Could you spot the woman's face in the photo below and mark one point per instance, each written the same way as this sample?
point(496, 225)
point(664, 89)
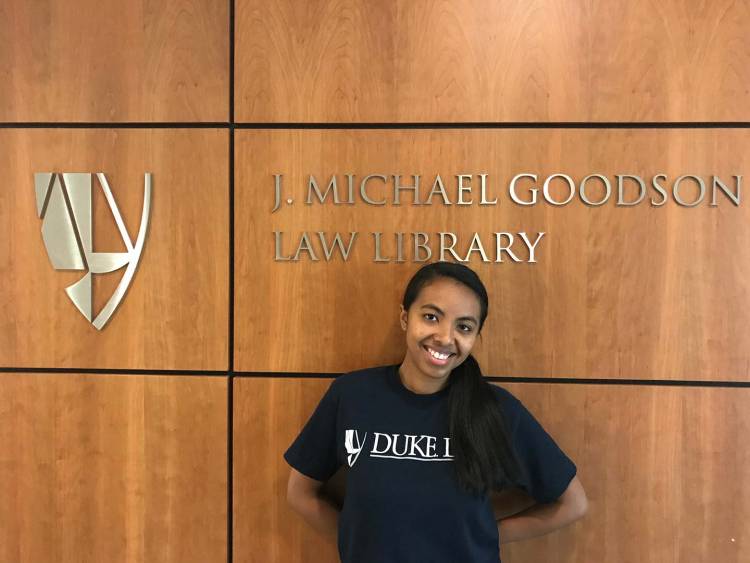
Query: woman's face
point(441, 327)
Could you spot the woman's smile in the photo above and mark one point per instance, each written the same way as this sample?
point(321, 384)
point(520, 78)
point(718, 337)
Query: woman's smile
point(436, 357)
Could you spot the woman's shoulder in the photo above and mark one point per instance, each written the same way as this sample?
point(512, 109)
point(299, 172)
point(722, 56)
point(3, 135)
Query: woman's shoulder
point(503, 395)
point(520, 417)
point(511, 405)
point(362, 378)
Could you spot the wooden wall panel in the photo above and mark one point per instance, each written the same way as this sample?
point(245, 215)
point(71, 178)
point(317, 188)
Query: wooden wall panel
point(266, 414)
point(547, 60)
point(664, 468)
point(111, 61)
point(112, 468)
point(174, 316)
point(620, 292)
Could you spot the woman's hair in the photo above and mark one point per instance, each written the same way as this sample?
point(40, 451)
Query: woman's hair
point(480, 436)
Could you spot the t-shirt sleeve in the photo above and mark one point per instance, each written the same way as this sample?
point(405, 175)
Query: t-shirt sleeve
point(313, 452)
point(545, 469)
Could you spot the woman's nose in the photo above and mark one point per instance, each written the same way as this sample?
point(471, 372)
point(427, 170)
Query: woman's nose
point(444, 334)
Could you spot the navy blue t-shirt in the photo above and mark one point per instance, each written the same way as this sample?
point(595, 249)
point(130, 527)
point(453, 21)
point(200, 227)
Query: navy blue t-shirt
point(403, 503)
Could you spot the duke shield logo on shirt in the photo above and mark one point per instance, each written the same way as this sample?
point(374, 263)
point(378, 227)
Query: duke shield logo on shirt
point(63, 202)
point(353, 446)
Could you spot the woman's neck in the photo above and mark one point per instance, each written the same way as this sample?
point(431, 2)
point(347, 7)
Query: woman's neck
point(417, 382)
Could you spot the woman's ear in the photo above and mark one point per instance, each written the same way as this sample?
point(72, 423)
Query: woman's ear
point(403, 315)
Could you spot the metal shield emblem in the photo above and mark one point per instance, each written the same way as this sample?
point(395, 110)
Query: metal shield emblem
point(63, 202)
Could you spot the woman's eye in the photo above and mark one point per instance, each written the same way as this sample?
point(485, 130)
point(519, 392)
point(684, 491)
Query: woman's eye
point(465, 328)
point(430, 317)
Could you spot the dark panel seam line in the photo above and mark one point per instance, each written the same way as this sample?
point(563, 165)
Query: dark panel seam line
point(503, 125)
point(117, 125)
point(230, 328)
point(230, 466)
point(370, 126)
point(230, 367)
point(508, 379)
point(231, 59)
point(293, 374)
point(116, 371)
point(608, 381)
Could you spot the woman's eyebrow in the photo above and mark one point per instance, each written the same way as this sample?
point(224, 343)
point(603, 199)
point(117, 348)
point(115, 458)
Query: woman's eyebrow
point(435, 307)
point(440, 311)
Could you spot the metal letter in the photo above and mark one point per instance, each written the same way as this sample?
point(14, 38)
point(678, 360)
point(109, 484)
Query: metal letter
point(378, 257)
point(701, 190)
point(735, 197)
point(483, 191)
point(312, 186)
point(530, 246)
point(621, 189)
point(462, 189)
point(305, 246)
point(400, 247)
point(337, 243)
point(571, 187)
point(279, 257)
point(438, 188)
point(277, 191)
point(397, 187)
point(659, 189)
point(607, 189)
point(512, 189)
point(476, 246)
point(363, 189)
point(422, 245)
point(350, 183)
point(444, 248)
point(500, 247)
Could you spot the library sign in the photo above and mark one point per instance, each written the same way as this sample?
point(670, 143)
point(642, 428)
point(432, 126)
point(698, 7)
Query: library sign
point(524, 189)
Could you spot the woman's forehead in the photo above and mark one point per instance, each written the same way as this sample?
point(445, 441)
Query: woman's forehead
point(450, 296)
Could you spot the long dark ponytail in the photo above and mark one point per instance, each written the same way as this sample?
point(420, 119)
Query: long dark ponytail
point(480, 436)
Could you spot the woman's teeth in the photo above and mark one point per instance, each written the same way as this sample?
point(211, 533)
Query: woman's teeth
point(437, 355)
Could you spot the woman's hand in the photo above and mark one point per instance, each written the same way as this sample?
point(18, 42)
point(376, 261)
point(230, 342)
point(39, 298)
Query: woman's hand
point(541, 519)
point(305, 496)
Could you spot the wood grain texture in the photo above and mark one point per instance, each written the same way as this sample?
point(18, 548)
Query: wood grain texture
point(174, 315)
point(266, 413)
point(664, 469)
point(616, 292)
point(112, 468)
point(110, 61)
point(490, 61)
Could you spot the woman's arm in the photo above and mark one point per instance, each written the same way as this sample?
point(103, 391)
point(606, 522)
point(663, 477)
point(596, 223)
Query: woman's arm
point(304, 495)
point(541, 519)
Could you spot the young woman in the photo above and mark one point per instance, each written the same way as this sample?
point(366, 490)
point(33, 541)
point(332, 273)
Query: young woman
point(426, 441)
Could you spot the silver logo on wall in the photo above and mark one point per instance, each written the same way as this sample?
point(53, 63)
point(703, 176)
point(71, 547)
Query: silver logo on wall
point(63, 202)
